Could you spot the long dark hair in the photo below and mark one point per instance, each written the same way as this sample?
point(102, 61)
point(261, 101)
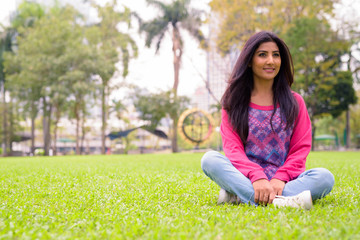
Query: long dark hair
point(236, 98)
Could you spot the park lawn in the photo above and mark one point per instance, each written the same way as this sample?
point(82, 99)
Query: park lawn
point(160, 197)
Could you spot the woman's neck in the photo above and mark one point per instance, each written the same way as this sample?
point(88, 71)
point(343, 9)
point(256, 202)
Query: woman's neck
point(262, 95)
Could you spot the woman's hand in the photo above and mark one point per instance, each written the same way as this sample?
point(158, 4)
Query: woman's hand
point(277, 185)
point(264, 192)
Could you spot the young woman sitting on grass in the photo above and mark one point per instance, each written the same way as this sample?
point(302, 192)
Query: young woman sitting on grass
point(266, 133)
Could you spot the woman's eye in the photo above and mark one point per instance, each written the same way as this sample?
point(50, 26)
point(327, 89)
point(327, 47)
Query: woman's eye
point(262, 55)
point(276, 55)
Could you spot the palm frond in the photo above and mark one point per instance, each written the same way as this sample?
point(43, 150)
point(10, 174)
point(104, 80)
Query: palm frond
point(192, 24)
point(138, 18)
point(159, 41)
point(179, 15)
point(126, 44)
point(153, 29)
point(158, 4)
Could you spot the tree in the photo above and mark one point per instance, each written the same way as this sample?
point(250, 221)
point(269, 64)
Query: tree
point(347, 24)
point(317, 52)
point(154, 107)
point(239, 19)
point(6, 37)
point(80, 61)
point(40, 65)
point(175, 17)
point(110, 44)
point(26, 15)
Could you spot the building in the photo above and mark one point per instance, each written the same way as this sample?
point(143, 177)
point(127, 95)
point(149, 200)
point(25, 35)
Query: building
point(218, 71)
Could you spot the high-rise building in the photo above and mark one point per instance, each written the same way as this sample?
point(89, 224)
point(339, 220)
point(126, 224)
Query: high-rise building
point(218, 71)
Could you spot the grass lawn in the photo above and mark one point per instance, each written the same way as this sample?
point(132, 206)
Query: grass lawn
point(160, 197)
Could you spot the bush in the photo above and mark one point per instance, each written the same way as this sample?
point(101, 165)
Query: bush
point(39, 152)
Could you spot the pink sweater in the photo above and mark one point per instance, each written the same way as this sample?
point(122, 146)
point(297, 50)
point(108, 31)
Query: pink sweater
point(268, 154)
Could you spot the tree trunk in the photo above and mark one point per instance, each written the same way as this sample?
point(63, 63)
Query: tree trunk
point(177, 52)
point(4, 140)
point(55, 139)
point(83, 132)
point(33, 116)
point(103, 118)
point(77, 117)
point(313, 137)
point(348, 139)
point(47, 136)
point(174, 145)
point(57, 116)
point(127, 144)
point(11, 127)
point(46, 127)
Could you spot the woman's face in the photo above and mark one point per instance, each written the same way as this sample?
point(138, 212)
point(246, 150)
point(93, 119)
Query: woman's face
point(266, 62)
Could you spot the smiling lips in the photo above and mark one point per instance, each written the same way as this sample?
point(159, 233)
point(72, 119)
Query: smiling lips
point(269, 69)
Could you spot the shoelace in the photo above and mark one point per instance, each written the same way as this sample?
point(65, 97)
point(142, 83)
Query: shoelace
point(290, 200)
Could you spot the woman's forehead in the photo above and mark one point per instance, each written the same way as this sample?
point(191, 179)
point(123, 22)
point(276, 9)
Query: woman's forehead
point(268, 47)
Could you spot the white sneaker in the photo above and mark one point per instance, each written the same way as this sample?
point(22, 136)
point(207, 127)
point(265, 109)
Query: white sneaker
point(302, 200)
point(226, 197)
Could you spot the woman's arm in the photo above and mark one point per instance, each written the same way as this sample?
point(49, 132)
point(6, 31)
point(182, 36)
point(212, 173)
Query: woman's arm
point(235, 152)
point(300, 145)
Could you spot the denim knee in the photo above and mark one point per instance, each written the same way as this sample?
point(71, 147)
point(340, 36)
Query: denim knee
point(326, 177)
point(209, 161)
point(326, 181)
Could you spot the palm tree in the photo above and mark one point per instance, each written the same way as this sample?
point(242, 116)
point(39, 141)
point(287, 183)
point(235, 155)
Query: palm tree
point(174, 17)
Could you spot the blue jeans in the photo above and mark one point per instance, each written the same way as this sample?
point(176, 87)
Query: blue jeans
point(218, 168)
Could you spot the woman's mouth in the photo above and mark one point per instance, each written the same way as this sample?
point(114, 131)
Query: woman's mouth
point(269, 70)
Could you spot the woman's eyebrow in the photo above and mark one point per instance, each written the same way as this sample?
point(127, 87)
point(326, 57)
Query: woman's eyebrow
point(266, 51)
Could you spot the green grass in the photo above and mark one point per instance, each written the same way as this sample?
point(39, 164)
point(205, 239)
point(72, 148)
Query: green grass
point(160, 197)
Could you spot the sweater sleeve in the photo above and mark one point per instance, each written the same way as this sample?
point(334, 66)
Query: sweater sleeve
point(300, 145)
point(235, 152)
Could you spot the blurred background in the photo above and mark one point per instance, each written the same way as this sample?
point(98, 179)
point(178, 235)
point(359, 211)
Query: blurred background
point(142, 76)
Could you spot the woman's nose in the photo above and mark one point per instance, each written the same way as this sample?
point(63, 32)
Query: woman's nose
point(270, 59)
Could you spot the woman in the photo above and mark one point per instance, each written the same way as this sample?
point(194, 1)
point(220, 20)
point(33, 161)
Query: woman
point(266, 133)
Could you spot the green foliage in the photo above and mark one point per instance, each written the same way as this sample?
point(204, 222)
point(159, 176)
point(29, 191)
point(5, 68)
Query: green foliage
point(317, 51)
point(27, 14)
point(239, 19)
point(109, 40)
point(40, 69)
point(39, 152)
point(163, 196)
point(110, 45)
point(179, 15)
point(339, 97)
point(355, 121)
point(6, 39)
point(153, 107)
point(58, 58)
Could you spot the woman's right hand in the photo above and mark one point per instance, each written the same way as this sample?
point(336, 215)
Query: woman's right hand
point(264, 193)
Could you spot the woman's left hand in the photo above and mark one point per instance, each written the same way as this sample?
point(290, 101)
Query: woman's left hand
point(278, 186)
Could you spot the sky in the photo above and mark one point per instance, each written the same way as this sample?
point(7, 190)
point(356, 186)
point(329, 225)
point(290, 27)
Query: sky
point(152, 71)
